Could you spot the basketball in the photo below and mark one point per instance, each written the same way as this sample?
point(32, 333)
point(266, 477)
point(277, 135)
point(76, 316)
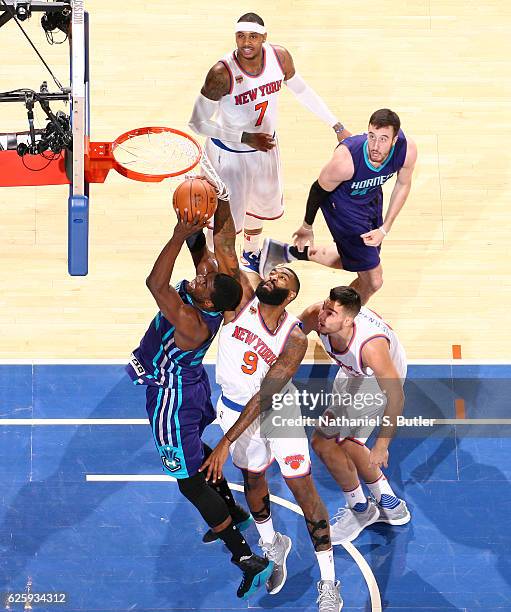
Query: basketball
point(197, 195)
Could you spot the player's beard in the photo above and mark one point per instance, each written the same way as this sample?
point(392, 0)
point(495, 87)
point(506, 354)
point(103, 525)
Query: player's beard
point(272, 297)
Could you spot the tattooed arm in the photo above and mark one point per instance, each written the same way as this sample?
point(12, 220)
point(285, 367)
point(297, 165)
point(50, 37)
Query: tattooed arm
point(224, 240)
point(275, 380)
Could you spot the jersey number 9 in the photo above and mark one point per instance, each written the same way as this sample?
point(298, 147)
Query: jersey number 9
point(250, 362)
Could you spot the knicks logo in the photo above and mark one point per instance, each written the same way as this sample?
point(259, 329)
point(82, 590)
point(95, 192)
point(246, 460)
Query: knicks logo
point(294, 461)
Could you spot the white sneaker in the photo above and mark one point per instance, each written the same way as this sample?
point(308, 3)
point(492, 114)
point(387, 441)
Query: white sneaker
point(273, 253)
point(400, 515)
point(277, 552)
point(348, 523)
point(329, 598)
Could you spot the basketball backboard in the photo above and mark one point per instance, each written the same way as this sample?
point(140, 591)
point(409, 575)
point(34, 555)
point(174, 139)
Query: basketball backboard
point(56, 152)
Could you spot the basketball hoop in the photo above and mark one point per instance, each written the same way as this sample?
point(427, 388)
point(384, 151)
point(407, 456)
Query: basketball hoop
point(151, 154)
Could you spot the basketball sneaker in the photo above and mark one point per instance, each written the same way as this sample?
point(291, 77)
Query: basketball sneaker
point(277, 552)
point(256, 572)
point(250, 261)
point(329, 598)
point(400, 515)
point(348, 523)
point(240, 517)
point(273, 253)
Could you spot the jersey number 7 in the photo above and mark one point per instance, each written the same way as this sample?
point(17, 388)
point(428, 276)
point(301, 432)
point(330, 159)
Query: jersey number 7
point(262, 106)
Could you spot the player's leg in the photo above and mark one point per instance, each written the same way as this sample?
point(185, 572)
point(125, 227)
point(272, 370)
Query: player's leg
point(393, 510)
point(293, 457)
point(360, 512)
point(230, 169)
point(265, 200)
point(177, 437)
point(252, 231)
point(275, 546)
point(316, 520)
point(240, 517)
point(368, 282)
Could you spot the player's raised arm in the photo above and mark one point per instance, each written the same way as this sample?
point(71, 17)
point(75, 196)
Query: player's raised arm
point(306, 95)
point(376, 355)
point(224, 240)
point(340, 168)
point(184, 317)
point(309, 318)
point(275, 380)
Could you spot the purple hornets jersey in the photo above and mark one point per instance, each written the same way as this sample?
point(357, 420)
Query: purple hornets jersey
point(159, 362)
point(356, 203)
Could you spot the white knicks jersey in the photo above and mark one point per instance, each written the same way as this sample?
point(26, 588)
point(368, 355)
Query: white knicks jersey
point(252, 102)
point(367, 325)
point(246, 351)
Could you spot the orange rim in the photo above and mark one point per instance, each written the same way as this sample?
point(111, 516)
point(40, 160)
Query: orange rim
point(145, 177)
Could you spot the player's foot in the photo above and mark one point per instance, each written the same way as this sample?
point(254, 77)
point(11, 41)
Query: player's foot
point(273, 253)
point(240, 517)
point(277, 552)
point(329, 598)
point(250, 261)
point(256, 572)
point(348, 523)
point(400, 515)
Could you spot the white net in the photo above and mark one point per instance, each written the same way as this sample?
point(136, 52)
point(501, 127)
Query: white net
point(156, 152)
point(206, 169)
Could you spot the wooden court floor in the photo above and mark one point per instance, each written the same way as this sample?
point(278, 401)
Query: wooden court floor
point(442, 65)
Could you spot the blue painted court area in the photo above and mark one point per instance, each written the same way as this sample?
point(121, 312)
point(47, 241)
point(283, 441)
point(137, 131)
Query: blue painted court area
point(137, 545)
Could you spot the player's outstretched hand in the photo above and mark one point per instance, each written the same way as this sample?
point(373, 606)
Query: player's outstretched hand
point(378, 457)
point(302, 237)
point(215, 462)
point(185, 228)
point(373, 238)
point(259, 141)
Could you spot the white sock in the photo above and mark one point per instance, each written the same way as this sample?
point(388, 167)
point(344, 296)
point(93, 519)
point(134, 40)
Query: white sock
point(266, 530)
point(356, 499)
point(326, 564)
point(383, 492)
point(251, 242)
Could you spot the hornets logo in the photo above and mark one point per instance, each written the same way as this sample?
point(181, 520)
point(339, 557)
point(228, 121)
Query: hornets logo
point(169, 458)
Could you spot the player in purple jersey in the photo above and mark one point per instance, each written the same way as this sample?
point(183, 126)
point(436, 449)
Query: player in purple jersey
point(349, 193)
point(178, 396)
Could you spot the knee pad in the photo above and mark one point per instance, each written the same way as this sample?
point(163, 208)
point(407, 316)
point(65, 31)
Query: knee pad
point(208, 502)
point(263, 513)
point(313, 526)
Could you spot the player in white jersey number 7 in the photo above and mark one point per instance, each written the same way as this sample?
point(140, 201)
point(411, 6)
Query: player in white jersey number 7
point(260, 349)
point(237, 110)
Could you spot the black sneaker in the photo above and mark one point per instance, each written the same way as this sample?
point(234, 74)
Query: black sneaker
point(256, 572)
point(240, 517)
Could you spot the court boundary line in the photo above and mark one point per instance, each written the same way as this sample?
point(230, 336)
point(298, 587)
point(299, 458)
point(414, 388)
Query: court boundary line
point(124, 361)
point(364, 567)
point(106, 421)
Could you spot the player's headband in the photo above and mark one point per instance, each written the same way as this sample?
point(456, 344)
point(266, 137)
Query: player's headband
point(248, 26)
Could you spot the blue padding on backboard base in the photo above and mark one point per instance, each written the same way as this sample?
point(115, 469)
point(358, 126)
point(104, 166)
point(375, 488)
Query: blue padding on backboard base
point(78, 235)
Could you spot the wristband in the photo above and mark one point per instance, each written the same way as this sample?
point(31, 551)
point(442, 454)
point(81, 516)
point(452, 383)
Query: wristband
point(382, 230)
point(228, 439)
